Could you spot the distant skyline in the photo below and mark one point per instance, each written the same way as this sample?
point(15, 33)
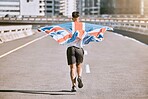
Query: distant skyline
point(50, 8)
point(10, 0)
point(71, 7)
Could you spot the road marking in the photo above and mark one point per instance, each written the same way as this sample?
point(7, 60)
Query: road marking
point(134, 40)
point(85, 52)
point(87, 68)
point(1, 56)
point(130, 38)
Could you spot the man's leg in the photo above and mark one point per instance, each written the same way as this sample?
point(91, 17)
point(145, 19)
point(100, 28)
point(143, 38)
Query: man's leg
point(79, 69)
point(73, 76)
point(79, 72)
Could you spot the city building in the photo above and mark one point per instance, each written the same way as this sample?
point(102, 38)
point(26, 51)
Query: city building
point(124, 7)
point(145, 8)
point(70, 6)
point(20, 8)
point(79, 6)
point(88, 7)
point(9, 7)
point(54, 7)
point(62, 7)
point(46, 8)
point(31, 8)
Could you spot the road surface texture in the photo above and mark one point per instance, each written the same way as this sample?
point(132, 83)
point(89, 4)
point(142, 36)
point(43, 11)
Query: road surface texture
point(138, 36)
point(118, 70)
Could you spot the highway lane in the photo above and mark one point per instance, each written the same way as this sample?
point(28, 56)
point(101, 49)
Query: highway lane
point(138, 36)
point(39, 71)
point(8, 46)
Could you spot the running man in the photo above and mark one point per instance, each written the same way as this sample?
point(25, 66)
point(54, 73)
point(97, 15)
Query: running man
point(75, 34)
point(75, 54)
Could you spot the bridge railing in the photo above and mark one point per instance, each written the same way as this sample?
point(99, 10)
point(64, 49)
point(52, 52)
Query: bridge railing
point(130, 24)
point(9, 33)
point(136, 20)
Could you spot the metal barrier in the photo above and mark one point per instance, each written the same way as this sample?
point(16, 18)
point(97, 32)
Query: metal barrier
point(130, 24)
point(138, 26)
point(8, 33)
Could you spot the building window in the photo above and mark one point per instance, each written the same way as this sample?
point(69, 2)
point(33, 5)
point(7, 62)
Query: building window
point(49, 6)
point(49, 1)
point(49, 11)
point(29, 0)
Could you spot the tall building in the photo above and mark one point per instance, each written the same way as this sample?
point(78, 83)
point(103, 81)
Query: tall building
point(32, 7)
point(124, 7)
point(20, 8)
point(145, 7)
point(62, 7)
point(70, 6)
point(88, 7)
point(107, 6)
point(127, 7)
point(11, 7)
point(49, 8)
point(54, 7)
point(91, 7)
point(79, 6)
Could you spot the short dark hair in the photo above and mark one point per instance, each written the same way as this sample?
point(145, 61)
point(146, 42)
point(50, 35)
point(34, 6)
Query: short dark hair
point(75, 14)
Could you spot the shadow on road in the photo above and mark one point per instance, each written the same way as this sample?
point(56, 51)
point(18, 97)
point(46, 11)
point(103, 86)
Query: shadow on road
point(61, 92)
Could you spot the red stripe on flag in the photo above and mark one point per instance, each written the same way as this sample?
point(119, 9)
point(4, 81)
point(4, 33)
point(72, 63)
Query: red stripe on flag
point(48, 31)
point(64, 38)
point(54, 30)
point(97, 33)
point(103, 30)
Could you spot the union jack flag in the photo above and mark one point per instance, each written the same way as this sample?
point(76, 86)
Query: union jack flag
point(68, 32)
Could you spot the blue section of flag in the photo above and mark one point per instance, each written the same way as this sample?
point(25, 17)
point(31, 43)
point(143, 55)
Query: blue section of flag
point(66, 30)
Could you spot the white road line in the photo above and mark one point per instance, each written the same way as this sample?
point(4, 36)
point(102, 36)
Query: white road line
point(1, 56)
point(130, 38)
point(85, 52)
point(87, 68)
point(134, 40)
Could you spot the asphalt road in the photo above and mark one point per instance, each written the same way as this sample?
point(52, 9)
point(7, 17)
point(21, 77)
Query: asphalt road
point(138, 36)
point(118, 70)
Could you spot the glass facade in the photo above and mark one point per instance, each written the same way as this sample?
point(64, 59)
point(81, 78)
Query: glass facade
point(89, 7)
point(123, 6)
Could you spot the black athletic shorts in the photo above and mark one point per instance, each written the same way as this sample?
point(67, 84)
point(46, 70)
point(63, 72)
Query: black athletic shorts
point(74, 55)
